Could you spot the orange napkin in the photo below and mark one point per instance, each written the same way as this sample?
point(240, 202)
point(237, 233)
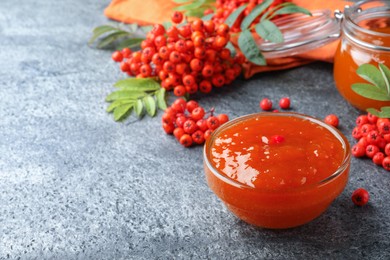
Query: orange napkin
point(147, 12)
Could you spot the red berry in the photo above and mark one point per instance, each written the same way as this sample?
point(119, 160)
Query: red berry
point(387, 149)
point(266, 104)
point(358, 150)
point(371, 118)
point(189, 126)
point(179, 91)
point(179, 105)
point(205, 86)
point(167, 118)
point(208, 133)
point(186, 140)
point(383, 127)
point(360, 197)
point(191, 105)
point(378, 158)
point(371, 150)
point(363, 142)
point(180, 120)
point(125, 67)
point(332, 120)
point(386, 163)
point(372, 137)
point(177, 17)
point(213, 122)
point(361, 120)
point(366, 128)
point(356, 133)
point(126, 52)
point(117, 56)
point(284, 103)
point(223, 118)
point(168, 128)
point(202, 124)
point(178, 133)
point(197, 113)
point(188, 80)
point(198, 137)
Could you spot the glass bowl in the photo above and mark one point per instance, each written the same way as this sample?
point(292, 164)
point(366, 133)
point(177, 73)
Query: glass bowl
point(272, 194)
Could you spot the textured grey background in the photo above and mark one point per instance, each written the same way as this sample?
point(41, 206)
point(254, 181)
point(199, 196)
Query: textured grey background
point(76, 185)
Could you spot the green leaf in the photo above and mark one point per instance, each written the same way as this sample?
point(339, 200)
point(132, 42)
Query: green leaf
point(130, 43)
point(111, 38)
point(207, 17)
point(125, 94)
point(233, 16)
point(249, 48)
point(269, 31)
point(372, 74)
point(230, 46)
point(370, 91)
point(139, 108)
point(384, 113)
point(290, 9)
point(122, 111)
point(386, 76)
point(195, 12)
point(255, 13)
point(100, 30)
point(194, 5)
point(150, 105)
point(160, 96)
point(118, 103)
point(137, 84)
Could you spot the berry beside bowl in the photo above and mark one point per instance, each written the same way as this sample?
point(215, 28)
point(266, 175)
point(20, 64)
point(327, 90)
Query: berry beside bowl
point(277, 170)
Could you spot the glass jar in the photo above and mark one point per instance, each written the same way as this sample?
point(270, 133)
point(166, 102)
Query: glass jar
point(365, 39)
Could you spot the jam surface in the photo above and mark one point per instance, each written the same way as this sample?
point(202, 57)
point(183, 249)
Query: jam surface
point(277, 152)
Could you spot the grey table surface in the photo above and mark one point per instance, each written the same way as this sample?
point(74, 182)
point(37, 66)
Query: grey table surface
point(74, 184)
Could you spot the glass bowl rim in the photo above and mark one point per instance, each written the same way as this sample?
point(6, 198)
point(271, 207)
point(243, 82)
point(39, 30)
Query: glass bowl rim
point(342, 167)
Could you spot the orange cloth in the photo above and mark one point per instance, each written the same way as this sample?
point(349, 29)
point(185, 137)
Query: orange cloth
point(146, 12)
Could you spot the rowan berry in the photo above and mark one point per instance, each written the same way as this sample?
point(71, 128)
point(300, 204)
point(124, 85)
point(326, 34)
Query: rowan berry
point(361, 120)
point(175, 57)
point(198, 137)
point(169, 66)
point(372, 118)
point(225, 54)
point(199, 41)
point(177, 17)
point(179, 90)
point(160, 41)
point(383, 126)
point(117, 56)
point(371, 150)
point(356, 133)
point(378, 158)
point(202, 124)
point(207, 71)
point(386, 163)
point(223, 118)
point(207, 134)
point(218, 80)
point(222, 29)
point(366, 128)
point(372, 137)
point(126, 52)
point(210, 55)
point(124, 66)
point(190, 126)
point(332, 120)
point(168, 128)
point(363, 142)
point(199, 52)
point(180, 120)
point(178, 132)
point(191, 105)
point(213, 122)
point(158, 29)
point(196, 64)
point(220, 42)
point(173, 33)
point(266, 104)
point(188, 80)
point(197, 25)
point(186, 140)
point(284, 103)
point(156, 59)
point(358, 150)
point(167, 118)
point(192, 89)
point(145, 70)
point(209, 26)
point(360, 197)
point(205, 86)
point(198, 113)
point(185, 30)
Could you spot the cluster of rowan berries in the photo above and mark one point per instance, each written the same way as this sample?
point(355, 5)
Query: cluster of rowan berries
point(225, 7)
point(373, 135)
point(187, 122)
point(187, 58)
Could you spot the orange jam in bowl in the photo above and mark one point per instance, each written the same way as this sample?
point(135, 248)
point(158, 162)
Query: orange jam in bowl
point(365, 39)
point(277, 170)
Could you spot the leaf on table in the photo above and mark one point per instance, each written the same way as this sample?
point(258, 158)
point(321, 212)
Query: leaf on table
point(384, 113)
point(138, 84)
point(269, 31)
point(118, 103)
point(125, 94)
point(99, 31)
point(122, 111)
point(105, 41)
point(139, 108)
point(150, 105)
point(255, 13)
point(161, 99)
point(130, 43)
point(370, 91)
point(373, 75)
point(232, 18)
point(249, 48)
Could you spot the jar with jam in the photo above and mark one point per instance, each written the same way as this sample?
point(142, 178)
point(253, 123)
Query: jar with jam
point(365, 39)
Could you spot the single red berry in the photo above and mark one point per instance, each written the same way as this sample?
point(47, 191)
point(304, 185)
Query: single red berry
point(202, 124)
point(363, 142)
point(222, 29)
point(188, 80)
point(372, 137)
point(117, 56)
point(186, 140)
point(190, 126)
point(360, 197)
point(167, 118)
point(145, 70)
point(177, 17)
point(358, 150)
point(356, 133)
point(277, 139)
point(179, 91)
point(386, 163)
point(192, 89)
point(284, 103)
point(125, 67)
point(266, 104)
point(366, 128)
point(158, 29)
point(180, 120)
point(208, 133)
point(126, 52)
point(383, 127)
point(371, 118)
point(205, 86)
point(371, 150)
point(387, 149)
point(218, 80)
point(332, 120)
point(196, 65)
point(168, 128)
point(387, 138)
point(213, 122)
point(223, 118)
point(361, 120)
point(174, 57)
point(197, 113)
point(178, 133)
point(381, 143)
point(185, 31)
point(191, 105)
point(197, 25)
point(378, 158)
point(198, 137)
